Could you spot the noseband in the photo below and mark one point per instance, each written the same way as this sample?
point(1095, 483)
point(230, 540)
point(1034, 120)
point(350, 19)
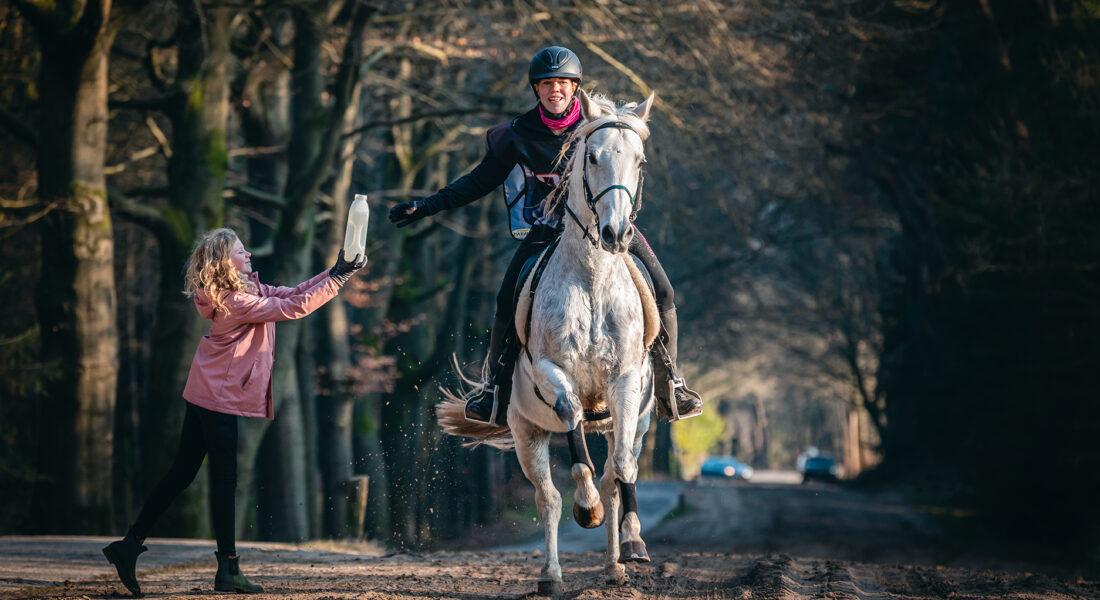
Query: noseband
point(591, 201)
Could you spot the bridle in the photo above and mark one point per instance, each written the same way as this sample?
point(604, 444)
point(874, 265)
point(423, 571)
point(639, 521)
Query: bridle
point(590, 200)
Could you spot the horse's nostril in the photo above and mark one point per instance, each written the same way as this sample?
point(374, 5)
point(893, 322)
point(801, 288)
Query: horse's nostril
point(628, 235)
point(608, 235)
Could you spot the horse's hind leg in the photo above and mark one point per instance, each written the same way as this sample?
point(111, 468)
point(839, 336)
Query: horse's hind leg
point(532, 449)
point(587, 510)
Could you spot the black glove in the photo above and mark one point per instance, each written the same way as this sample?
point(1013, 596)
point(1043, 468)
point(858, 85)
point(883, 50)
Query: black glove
point(343, 270)
point(407, 213)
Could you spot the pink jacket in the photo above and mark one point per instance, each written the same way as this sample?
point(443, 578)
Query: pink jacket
point(231, 371)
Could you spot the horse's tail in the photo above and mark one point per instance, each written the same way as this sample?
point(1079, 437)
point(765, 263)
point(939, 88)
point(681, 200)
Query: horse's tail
point(451, 414)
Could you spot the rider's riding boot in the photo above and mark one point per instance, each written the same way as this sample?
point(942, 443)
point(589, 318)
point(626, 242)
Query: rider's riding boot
point(123, 554)
point(491, 404)
point(229, 577)
point(675, 400)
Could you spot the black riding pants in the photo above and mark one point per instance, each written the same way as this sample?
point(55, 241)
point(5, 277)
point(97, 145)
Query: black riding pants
point(538, 238)
point(205, 433)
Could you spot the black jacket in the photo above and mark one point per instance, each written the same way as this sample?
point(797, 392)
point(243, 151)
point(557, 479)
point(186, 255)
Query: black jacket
point(523, 148)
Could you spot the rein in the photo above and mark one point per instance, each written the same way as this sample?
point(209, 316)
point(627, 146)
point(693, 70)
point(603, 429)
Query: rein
point(591, 201)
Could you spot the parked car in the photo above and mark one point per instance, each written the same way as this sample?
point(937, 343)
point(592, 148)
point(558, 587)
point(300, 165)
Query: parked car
point(821, 468)
point(726, 467)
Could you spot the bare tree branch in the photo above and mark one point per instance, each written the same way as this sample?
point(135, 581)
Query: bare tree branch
point(434, 114)
point(149, 216)
point(251, 195)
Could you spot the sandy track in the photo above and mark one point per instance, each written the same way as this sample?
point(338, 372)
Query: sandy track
point(495, 575)
point(766, 542)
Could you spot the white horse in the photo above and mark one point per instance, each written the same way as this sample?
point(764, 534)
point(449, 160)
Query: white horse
point(586, 341)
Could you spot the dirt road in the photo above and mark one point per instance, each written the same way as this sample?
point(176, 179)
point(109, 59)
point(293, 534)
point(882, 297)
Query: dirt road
point(757, 541)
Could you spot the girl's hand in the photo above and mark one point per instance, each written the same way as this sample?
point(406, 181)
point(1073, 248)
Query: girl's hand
point(343, 270)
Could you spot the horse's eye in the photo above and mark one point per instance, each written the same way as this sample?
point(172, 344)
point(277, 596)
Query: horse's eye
point(592, 158)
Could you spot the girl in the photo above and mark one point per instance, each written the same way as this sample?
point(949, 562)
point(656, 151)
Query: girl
point(230, 377)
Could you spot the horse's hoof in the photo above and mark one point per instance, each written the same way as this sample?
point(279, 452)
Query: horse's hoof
point(616, 574)
point(549, 588)
point(633, 552)
point(589, 518)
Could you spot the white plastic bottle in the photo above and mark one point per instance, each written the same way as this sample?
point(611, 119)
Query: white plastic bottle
point(355, 239)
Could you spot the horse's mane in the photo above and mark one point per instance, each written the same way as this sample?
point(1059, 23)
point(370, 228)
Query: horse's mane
point(611, 112)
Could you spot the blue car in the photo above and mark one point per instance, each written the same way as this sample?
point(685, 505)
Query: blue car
point(821, 468)
point(726, 467)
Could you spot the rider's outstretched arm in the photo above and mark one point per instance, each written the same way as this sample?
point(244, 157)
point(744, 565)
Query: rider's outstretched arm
point(489, 174)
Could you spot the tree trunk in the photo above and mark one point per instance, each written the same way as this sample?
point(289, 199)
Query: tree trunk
point(760, 433)
point(283, 486)
point(335, 402)
point(307, 384)
point(76, 296)
point(853, 451)
point(198, 111)
point(314, 137)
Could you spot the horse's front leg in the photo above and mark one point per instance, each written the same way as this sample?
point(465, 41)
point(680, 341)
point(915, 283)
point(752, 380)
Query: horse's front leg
point(532, 449)
point(587, 510)
point(625, 405)
point(609, 493)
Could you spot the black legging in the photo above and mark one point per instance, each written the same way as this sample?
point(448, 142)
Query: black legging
point(205, 432)
point(536, 240)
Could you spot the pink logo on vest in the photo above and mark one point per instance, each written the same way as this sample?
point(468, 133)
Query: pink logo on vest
point(550, 179)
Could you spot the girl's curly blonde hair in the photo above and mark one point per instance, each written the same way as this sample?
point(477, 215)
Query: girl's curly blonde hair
point(210, 269)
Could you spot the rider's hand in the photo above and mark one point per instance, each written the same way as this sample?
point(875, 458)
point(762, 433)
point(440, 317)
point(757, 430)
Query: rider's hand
point(343, 269)
point(407, 213)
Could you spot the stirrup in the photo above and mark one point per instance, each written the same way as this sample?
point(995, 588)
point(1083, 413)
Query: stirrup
point(678, 383)
point(492, 414)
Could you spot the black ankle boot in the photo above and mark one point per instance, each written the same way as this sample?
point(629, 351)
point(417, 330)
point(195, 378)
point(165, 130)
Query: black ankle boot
point(229, 577)
point(123, 554)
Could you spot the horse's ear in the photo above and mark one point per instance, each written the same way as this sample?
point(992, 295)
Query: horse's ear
point(589, 109)
point(642, 110)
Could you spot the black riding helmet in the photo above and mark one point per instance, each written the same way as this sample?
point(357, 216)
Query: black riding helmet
point(554, 61)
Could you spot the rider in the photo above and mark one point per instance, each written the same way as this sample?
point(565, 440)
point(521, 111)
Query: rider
point(523, 157)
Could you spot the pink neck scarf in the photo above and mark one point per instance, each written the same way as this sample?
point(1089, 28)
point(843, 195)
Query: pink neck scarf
point(572, 115)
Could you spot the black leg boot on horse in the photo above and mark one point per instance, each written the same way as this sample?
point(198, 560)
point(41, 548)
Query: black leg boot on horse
point(675, 400)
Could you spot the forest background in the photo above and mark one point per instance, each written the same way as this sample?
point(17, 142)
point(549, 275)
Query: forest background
point(881, 218)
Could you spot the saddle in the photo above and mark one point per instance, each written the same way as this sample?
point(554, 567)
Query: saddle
point(531, 274)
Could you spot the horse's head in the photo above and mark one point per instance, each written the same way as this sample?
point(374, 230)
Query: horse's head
point(606, 171)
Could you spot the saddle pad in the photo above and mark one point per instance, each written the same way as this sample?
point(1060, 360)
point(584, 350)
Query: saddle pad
point(649, 302)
